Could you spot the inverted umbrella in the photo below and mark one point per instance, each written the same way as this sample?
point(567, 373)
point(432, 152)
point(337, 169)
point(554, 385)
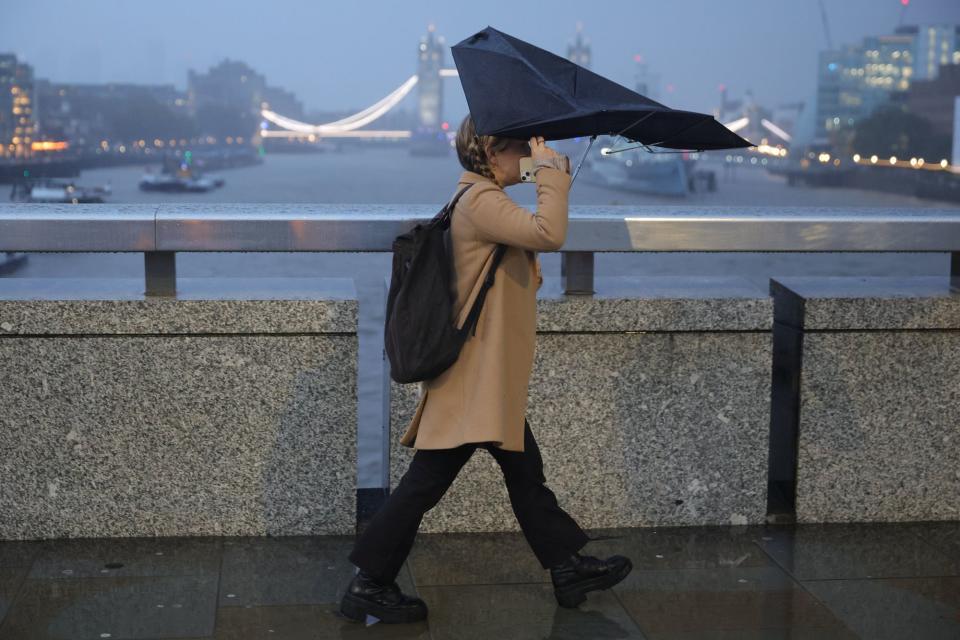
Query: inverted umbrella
point(517, 90)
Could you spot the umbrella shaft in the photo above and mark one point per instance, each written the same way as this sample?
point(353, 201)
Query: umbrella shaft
point(592, 138)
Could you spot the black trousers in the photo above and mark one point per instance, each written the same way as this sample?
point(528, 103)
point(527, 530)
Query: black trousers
point(382, 547)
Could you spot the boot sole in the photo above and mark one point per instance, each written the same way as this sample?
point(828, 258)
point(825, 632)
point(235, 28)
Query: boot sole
point(570, 596)
point(357, 609)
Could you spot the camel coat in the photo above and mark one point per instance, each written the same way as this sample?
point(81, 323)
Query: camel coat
point(482, 397)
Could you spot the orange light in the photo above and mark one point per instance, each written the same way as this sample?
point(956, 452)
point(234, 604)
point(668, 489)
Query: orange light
point(48, 145)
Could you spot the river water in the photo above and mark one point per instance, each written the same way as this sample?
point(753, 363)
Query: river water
point(383, 175)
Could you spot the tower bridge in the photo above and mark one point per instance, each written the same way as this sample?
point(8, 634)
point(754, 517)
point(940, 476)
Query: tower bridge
point(428, 81)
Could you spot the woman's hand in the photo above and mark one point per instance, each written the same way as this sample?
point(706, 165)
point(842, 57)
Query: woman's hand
point(540, 151)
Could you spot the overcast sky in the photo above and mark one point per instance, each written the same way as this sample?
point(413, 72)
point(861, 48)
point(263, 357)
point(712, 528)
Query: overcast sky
point(346, 55)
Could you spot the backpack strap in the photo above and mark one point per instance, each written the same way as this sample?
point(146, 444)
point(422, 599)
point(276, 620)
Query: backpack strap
point(453, 202)
point(474, 315)
point(443, 216)
point(470, 324)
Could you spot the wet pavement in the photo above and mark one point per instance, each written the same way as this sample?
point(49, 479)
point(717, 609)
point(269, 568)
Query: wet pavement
point(823, 581)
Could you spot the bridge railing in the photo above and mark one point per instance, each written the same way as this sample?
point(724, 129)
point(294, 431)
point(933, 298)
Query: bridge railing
point(162, 231)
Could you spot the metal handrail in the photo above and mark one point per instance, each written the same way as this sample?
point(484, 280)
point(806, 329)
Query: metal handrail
point(160, 231)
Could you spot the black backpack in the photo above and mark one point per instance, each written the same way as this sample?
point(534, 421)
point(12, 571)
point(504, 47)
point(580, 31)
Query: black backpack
point(420, 337)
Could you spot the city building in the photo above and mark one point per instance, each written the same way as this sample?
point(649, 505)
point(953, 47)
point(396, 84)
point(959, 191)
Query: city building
point(855, 79)
point(85, 114)
point(18, 125)
point(229, 83)
point(234, 84)
point(934, 99)
point(283, 101)
point(935, 45)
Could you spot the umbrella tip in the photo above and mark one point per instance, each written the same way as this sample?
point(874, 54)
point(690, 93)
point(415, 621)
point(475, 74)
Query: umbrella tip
point(479, 35)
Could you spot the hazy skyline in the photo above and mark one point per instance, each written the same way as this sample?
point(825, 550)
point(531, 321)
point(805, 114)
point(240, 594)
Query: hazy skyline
point(347, 56)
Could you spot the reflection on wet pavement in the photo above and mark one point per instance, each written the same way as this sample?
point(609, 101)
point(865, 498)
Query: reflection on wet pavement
point(875, 581)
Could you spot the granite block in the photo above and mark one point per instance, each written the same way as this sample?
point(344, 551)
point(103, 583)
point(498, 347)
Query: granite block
point(109, 306)
point(682, 303)
point(878, 437)
point(876, 302)
point(636, 427)
point(132, 428)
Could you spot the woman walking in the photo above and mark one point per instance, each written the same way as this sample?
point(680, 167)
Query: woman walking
point(481, 400)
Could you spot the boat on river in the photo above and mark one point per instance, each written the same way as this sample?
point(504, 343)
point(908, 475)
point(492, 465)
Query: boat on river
point(57, 190)
point(183, 180)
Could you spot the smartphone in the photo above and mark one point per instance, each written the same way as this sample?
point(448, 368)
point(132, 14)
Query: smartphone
point(526, 169)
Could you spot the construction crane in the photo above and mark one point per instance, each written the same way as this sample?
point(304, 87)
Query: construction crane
point(826, 25)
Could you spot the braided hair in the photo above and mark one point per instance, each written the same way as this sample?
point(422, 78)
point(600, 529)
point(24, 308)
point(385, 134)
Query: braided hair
point(471, 148)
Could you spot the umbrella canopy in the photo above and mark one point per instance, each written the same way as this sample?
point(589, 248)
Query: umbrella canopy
point(517, 90)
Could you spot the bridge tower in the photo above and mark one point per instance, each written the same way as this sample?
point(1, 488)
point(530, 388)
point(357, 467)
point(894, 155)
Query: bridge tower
point(430, 84)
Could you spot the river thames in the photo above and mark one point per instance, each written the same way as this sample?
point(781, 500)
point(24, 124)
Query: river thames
point(384, 175)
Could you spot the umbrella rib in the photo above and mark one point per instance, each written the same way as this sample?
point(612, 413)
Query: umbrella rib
point(641, 119)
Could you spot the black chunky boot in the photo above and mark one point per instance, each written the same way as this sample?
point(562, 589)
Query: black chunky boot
point(385, 601)
point(579, 574)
